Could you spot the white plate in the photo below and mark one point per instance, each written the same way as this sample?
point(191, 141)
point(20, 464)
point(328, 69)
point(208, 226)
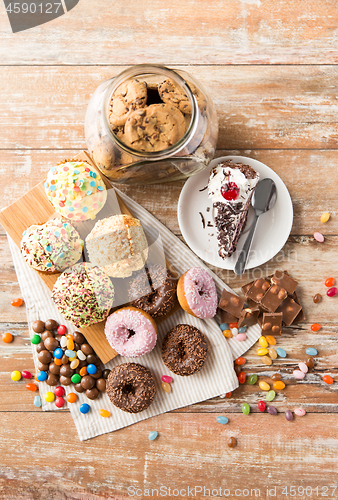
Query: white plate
point(272, 230)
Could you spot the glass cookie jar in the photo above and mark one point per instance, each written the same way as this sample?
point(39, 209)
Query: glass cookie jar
point(151, 124)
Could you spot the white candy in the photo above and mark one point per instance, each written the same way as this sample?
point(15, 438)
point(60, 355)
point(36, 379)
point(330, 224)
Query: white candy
point(63, 341)
point(81, 355)
point(234, 331)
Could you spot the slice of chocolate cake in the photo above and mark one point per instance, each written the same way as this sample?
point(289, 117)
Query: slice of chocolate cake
point(230, 188)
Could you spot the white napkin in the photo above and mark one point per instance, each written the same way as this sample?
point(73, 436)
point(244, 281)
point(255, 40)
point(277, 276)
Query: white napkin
point(216, 378)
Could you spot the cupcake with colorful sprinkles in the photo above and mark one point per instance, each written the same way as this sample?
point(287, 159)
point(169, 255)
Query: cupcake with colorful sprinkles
point(75, 190)
point(51, 247)
point(83, 294)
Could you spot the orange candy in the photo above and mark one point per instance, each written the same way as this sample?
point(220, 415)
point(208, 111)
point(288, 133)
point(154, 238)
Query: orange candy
point(7, 338)
point(83, 371)
point(330, 282)
point(271, 340)
point(17, 302)
point(58, 362)
point(228, 395)
point(279, 385)
point(104, 413)
point(327, 379)
point(240, 361)
point(71, 397)
point(233, 325)
point(316, 327)
point(31, 387)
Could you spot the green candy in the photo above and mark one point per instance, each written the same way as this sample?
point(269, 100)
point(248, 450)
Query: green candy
point(36, 339)
point(76, 378)
point(252, 379)
point(246, 409)
point(270, 396)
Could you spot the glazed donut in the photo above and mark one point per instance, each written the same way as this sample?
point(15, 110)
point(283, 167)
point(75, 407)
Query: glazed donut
point(131, 387)
point(184, 350)
point(161, 299)
point(131, 332)
point(197, 294)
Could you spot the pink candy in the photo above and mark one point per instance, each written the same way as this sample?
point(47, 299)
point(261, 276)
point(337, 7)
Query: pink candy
point(167, 379)
point(300, 412)
point(304, 368)
point(319, 237)
point(240, 337)
point(298, 374)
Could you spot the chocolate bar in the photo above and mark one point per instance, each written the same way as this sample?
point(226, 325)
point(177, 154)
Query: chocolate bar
point(274, 297)
point(248, 317)
point(259, 288)
point(301, 314)
point(272, 323)
point(231, 303)
point(227, 318)
point(290, 310)
point(284, 280)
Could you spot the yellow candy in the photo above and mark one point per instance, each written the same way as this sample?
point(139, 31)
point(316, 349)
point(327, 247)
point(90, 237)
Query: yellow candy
point(104, 413)
point(74, 364)
point(227, 334)
point(262, 352)
point(271, 340)
point(49, 397)
point(263, 341)
point(325, 217)
point(266, 360)
point(72, 359)
point(264, 386)
point(16, 375)
point(279, 385)
point(272, 353)
point(166, 387)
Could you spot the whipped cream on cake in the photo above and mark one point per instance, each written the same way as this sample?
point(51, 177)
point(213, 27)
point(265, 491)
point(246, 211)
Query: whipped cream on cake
point(230, 189)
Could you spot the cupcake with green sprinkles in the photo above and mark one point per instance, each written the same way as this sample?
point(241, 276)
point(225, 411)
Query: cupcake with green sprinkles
point(51, 247)
point(75, 190)
point(84, 295)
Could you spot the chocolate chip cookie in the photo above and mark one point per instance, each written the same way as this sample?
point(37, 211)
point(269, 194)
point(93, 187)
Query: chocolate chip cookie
point(170, 93)
point(154, 128)
point(127, 97)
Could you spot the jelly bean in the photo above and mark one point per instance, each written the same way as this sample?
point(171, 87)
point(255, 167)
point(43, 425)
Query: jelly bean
point(316, 327)
point(270, 396)
point(298, 374)
point(273, 353)
point(327, 379)
point(279, 385)
point(16, 375)
point(74, 364)
point(26, 374)
point(234, 331)
point(233, 325)
point(281, 353)
point(70, 354)
point(263, 341)
point(264, 385)
point(272, 410)
point(228, 334)
point(84, 408)
point(317, 298)
point(288, 415)
point(242, 329)
point(271, 340)
point(31, 387)
point(252, 379)
point(17, 302)
point(58, 353)
point(49, 397)
point(232, 442)
point(332, 291)
point(324, 217)
point(222, 420)
point(276, 376)
point(228, 395)
point(311, 351)
point(76, 378)
point(167, 379)
point(240, 361)
point(63, 341)
point(261, 406)
point(41, 376)
point(240, 337)
point(58, 362)
point(152, 435)
point(81, 355)
point(91, 369)
point(37, 401)
point(83, 371)
point(59, 391)
point(242, 377)
point(303, 367)
point(61, 329)
point(262, 352)
point(245, 408)
point(59, 402)
point(329, 282)
point(166, 387)
point(224, 326)
point(36, 339)
point(300, 412)
point(70, 344)
point(104, 413)
point(71, 397)
point(266, 360)
point(318, 237)
point(7, 338)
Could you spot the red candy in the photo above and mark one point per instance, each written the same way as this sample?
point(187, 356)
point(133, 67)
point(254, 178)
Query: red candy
point(233, 325)
point(242, 377)
point(330, 282)
point(332, 291)
point(26, 374)
point(228, 395)
point(240, 361)
point(59, 391)
point(261, 406)
point(167, 379)
point(59, 402)
point(62, 329)
point(230, 191)
point(316, 327)
point(327, 379)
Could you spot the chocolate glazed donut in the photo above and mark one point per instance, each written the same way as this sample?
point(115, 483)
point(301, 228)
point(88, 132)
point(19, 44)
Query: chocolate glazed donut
point(162, 297)
point(131, 387)
point(184, 350)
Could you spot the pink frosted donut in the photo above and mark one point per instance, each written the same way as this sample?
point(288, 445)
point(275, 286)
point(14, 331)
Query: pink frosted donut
point(131, 332)
point(197, 294)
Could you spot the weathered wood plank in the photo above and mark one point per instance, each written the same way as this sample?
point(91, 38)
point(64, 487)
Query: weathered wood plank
point(246, 32)
point(259, 106)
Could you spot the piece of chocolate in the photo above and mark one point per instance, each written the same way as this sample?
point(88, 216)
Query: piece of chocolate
point(274, 297)
point(227, 318)
point(51, 324)
point(272, 323)
point(38, 326)
point(301, 315)
point(249, 316)
point(258, 289)
point(290, 310)
point(284, 280)
point(246, 288)
point(231, 303)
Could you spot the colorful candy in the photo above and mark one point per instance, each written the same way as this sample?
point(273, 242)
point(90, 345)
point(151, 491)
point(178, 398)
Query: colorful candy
point(273, 353)
point(262, 352)
point(272, 410)
point(278, 385)
point(327, 379)
point(271, 340)
point(222, 420)
point(324, 217)
point(74, 364)
point(264, 385)
point(245, 408)
point(318, 237)
point(152, 435)
point(270, 396)
point(240, 361)
point(70, 344)
point(232, 442)
point(233, 325)
point(71, 397)
point(49, 397)
point(37, 401)
point(276, 376)
point(224, 326)
point(303, 367)
point(26, 374)
point(242, 377)
point(104, 413)
point(310, 363)
point(76, 378)
point(83, 371)
point(332, 291)
point(166, 387)
point(36, 339)
point(311, 351)
point(81, 355)
point(16, 375)
point(242, 329)
point(58, 353)
point(228, 334)
point(17, 302)
point(228, 395)
point(63, 341)
point(84, 408)
point(234, 331)
point(300, 412)
point(91, 369)
point(61, 329)
point(241, 337)
point(317, 298)
point(289, 415)
point(7, 338)
point(266, 360)
point(70, 354)
point(261, 406)
point(263, 341)
point(167, 379)
point(329, 282)
point(316, 327)
point(59, 402)
point(41, 376)
point(252, 379)
point(59, 391)
point(31, 387)
point(281, 353)
point(298, 374)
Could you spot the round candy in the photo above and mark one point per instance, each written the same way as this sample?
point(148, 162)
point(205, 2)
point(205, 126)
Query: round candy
point(41, 376)
point(264, 385)
point(38, 326)
point(51, 324)
point(222, 420)
point(71, 397)
point(262, 352)
point(316, 327)
point(152, 435)
point(324, 217)
point(252, 379)
point(242, 329)
point(245, 408)
point(289, 415)
point(329, 282)
point(37, 401)
point(298, 374)
point(332, 291)
point(59, 402)
point(36, 339)
point(281, 352)
point(31, 387)
point(240, 361)
point(327, 379)
point(278, 385)
point(224, 326)
point(26, 374)
point(17, 302)
point(241, 337)
point(166, 378)
point(318, 237)
point(166, 387)
point(104, 413)
point(84, 408)
point(263, 341)
point(228, 334)
point(7, 338)
point(261, 406)
point(317, 298)
point(16, 375)
point(311, 351)
point(270, 396)
point(242, 377)
point(59, 391)
point(232, 442)
point(49, 397)
point(300, 412)
point(76, 378)
point(58, 353)
point(303, 367)
point(272, 410)
point(91, 369)
point(266, 360)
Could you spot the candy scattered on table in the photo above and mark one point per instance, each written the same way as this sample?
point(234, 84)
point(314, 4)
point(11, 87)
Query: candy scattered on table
point(71, 397)
point(16, 375)
point(152, 435)
point(271, 340)
point(303, 367)
point(31, 387)
point(228, 334)
point(228, 395)
point(59, 402)
point(298, 374)
point(310, 363)
point(318, 237)
point(263, 341)
point(332, 291)
point(266, 360)
point(272, 410)
point(311, 351)
point(242, 329)
point(26, 374)
point(270, 396)
point(327, 379)
point(329, 282)
point(241, 337)
point(222, 420)
point(76, 378)
point(7, 338)
point(167, 379)
point(224, 326)
point(49, 397)
point(324, 217)
point(299, 412)
point(84, 408)
point(276, 376)
point(289, 415)
point(41, 376)
point(242, 377)
point(61, 329)
point(37, 401)
point(252, 380)
point(17, 302)
point(104, 413)
point(245, 408)
point(35, 339)
point(278, 385)
point(232, 442)
point(273, 353)
point(264, 385)
point(262, 352)
point(234, 331)
point(240, 361)
point(166, 387)
point(317, 298)
point(316, 327)
point(281, 352)
point(261, 406)
point(59, 391)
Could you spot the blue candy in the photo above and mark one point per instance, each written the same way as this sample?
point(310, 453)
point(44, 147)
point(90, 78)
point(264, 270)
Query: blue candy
point(152, 435)
point(242, 329)
point(41, 376)
point(91, 369)
point(58, 353)
point(311, 351)
point(70, 354)
point(84, 408)
point(222, 420)
point(281, 352)
point(37, 401)
point(224, 326)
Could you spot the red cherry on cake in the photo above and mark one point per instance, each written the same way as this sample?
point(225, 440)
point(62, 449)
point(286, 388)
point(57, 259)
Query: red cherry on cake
point(230, 191)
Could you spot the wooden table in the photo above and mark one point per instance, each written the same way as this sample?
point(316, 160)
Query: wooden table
point(271, 67)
